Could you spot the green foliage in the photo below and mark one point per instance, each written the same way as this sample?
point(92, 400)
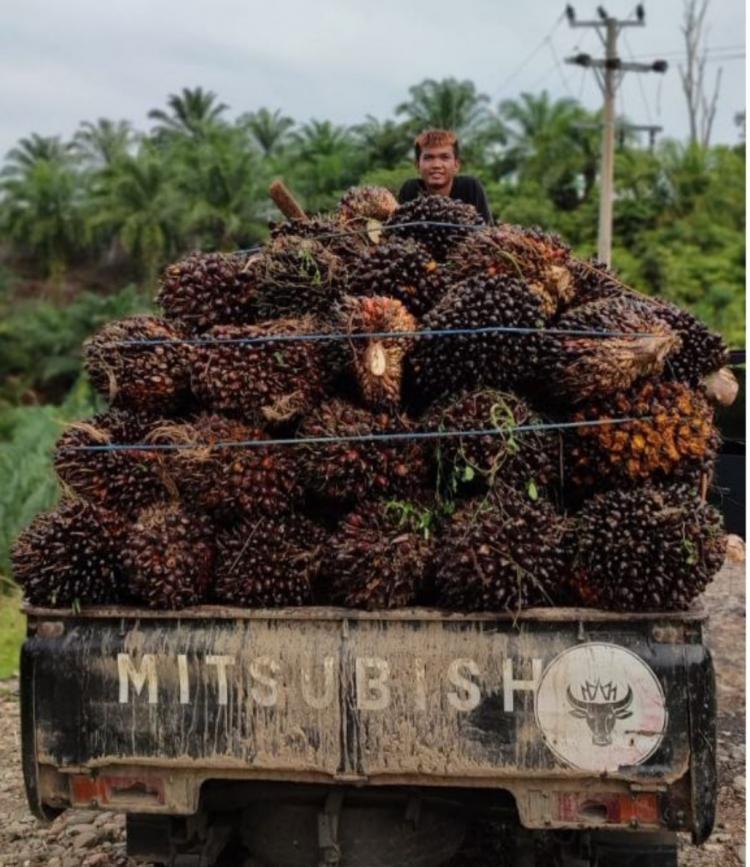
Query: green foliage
point(12, 632)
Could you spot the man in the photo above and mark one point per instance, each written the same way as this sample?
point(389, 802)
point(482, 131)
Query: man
point(438, 163)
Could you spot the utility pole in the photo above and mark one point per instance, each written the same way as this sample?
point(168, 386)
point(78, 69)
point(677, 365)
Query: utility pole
point(609, 73)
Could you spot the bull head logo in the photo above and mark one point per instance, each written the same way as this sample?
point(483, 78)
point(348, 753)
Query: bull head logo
point(600, 707)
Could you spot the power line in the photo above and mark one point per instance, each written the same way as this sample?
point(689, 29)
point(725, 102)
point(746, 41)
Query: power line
point(559, 66)
point(532, 54)
point(640, 81)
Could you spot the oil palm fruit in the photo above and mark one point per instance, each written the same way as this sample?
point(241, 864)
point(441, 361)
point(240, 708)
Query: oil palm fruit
point(427, 212)
point(579, 367)
point(512, 251)
point(168, 556)
point(652, 548)
point(378, 362)
point(379, 558)
point(671, 431)
point(207, 289)
point(504, 552)
point(70, 556)
point(360, 204)
point(447, 364)
point(402, 269)
point(268, 562)
point(134, 375)
point(267, 381)
point(702, 352)
point(353, 469)
point(122, 480)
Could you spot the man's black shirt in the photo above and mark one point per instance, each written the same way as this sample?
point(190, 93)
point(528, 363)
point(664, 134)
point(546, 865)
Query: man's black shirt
point(465, 188)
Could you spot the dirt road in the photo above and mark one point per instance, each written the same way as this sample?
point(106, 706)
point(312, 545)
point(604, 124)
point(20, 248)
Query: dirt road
point(91, 839)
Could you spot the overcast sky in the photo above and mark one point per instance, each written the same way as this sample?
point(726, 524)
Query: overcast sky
point(64, 62)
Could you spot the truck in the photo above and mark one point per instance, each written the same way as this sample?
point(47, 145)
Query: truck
point(327, 736)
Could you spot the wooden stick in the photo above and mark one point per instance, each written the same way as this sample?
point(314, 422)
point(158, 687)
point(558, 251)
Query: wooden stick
point(285, 201)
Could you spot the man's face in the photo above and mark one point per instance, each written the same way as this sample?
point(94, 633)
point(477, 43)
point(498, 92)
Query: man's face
point(438, 166)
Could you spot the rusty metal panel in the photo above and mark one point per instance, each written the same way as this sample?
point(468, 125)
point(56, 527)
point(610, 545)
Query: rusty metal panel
point(413, 698)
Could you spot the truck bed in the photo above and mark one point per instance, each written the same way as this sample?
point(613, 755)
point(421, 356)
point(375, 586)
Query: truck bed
point(564, 708)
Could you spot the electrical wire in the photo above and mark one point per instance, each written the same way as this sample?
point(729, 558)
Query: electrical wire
point(646, 105)
point(559, 67)
point(532, 54)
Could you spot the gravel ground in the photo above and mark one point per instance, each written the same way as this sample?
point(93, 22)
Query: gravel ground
point(92, 839)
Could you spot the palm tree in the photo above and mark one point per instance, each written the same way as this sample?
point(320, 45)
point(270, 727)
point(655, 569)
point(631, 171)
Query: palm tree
point(32, 150)
point(447, 104)
point(103, 142)
point(137, 203)
point(192, 113)
point(269, 130)
point(385, 143)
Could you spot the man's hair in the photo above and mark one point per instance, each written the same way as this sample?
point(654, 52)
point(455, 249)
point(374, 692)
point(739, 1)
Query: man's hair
point(435, 138)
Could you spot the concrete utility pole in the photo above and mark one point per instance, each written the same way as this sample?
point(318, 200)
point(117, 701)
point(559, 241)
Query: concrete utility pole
point(609, 73)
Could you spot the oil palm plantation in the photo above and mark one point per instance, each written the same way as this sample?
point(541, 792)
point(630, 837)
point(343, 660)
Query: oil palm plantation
point(268, 130)
point(190, 113)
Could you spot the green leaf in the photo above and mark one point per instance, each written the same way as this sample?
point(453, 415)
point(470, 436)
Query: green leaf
point(532, 490)
point(468, 474)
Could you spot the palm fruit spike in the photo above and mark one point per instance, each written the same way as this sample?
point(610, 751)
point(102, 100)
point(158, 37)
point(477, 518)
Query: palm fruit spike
point(447, 364)
point(268, 562)
point(524, 460)
point(511, 251)
point(652, 548)
point(378, 362)
point(270, 381)
point(379, 557)
point(401, 269)
point(297, 276)
point(168, 556)
point(123, 480)
point(361, 204)
point(354, 470)
point(581, 367)
point(594, 281)
point(429, 210)
point(672, 430)
point(703, 352)
point(502, 553)
point(148, 377)
point(70, 556)
point(249, 480)
point(206, 289)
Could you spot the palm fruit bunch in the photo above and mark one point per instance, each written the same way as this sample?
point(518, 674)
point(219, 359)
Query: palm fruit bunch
point(401, 269)
point(378, 362)
point(446, 364)
point(261, 381)
point(511, 251)
point(268, 562)
point(702, 351)
point(296, 276)
point(670, 430)
point(359, 205)
point(504, 552)
point(356, 467)
point(168, 556)
point(345, 243)
point(207, 289)
point(526, 460)
point(581, 366)
point(653, 548)
point(427, 213)
point(379, 557)
point(594, 281)
point(154, 376)
point(226, 481)
point(70, 556)
point(124, 480)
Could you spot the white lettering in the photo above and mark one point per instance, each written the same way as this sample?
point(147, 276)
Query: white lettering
point(466, 696)
point(128, 672)
point(221, 663)
point(510, 685)
point(319, 702)
point(372, 690)
point(182, 670)
point(264, 669)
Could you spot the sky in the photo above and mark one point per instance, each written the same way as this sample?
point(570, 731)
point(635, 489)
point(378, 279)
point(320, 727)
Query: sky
point(63, 63)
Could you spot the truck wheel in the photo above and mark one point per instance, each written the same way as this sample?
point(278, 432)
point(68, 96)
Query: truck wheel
point(633, 849)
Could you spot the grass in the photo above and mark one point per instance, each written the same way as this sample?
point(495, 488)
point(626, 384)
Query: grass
point(12, 632)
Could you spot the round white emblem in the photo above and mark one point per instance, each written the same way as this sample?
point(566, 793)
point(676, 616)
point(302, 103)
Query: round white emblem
point(600, 707)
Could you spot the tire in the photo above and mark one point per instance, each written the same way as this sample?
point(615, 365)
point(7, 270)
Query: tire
point(636, 849)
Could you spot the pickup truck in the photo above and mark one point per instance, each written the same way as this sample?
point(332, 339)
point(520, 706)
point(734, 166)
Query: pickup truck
point(324, 736)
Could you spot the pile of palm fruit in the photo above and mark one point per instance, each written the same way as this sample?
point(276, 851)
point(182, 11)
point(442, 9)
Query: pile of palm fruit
point(298, 428)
